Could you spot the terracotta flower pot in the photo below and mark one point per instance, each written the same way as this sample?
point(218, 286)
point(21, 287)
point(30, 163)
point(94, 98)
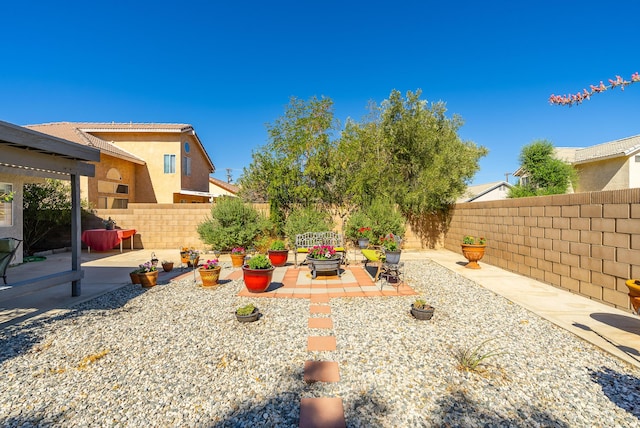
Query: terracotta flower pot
point(634, 293)
point(278, 257)
point(209, 276)
point(473, 253)
point(237, 260)
point(148, 279)
point(167, 267)
point(257, 280)
point(134, 278)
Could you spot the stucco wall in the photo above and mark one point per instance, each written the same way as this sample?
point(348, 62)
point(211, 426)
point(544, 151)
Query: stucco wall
point(611, 174)
point(587, 243)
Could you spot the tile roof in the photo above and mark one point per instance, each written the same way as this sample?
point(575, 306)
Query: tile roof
point(232, 188)
point(72, 132)
point(623, 147)
point(478, 190)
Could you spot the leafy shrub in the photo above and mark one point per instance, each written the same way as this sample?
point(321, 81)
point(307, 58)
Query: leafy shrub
point(304, 220)
point(232, 224)
point(277, 245)
point(245, 310)
point(381, 216)
point(357, 221)
point(260, 262)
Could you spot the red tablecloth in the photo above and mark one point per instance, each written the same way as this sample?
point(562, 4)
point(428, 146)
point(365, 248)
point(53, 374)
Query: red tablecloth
point(103, 239)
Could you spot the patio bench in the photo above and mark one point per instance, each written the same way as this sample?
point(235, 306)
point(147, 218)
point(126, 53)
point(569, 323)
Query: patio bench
point(306, 241)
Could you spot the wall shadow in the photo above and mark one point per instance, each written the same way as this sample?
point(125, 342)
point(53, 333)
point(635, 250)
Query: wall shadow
point(431, 228)
point(621, 389)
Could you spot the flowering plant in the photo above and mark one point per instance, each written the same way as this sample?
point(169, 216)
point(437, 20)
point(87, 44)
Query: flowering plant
point(363, 232)
point(322, 252)
point(389, 243)
point(238, 250)
point(210, 264)
point(586, 94)
point(147, 267)
point(470, 240)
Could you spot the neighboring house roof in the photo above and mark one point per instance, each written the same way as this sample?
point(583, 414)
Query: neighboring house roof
point(81, 132)
point(231, 188)
point(475, 192)
point(613, 149)
point(73, 132)
point(579, 155)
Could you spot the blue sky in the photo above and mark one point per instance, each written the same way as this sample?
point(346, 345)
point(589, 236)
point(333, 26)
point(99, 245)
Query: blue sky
point(228, 69)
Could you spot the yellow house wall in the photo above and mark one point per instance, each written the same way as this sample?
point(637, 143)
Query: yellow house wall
point(611, 174)
point(152, 184)
point(127, 172)
point(634, 171)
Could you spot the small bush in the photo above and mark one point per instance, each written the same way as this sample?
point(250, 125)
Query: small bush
point(381, 216)
point(260, 262)
point(357, 221)
point(278, 245)
point(245, 310)
point(232, 224)
point(306, 220)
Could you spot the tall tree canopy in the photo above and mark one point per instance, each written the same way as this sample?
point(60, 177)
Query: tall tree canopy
point(546, 175)
point(405, 150)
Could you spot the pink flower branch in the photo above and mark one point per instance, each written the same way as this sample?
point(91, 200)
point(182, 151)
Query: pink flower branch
point(586, 94)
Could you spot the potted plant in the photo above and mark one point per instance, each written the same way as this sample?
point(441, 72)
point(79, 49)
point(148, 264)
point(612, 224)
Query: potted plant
point(257, 273)
point(209, 273)
point(634, 294)
point(247, 313)
point(363, 235)
point(167, 265)
point(134, 276)
point(189, 256)
point(323, 258)
point(148, 275)
point(421, 310)
point(109, 224)
point(473, 250)
point(391, 249)
point(237, 256)
point(278, 253)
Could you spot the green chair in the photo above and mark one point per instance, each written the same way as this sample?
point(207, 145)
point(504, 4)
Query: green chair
point(8, 248)
point(375, 257)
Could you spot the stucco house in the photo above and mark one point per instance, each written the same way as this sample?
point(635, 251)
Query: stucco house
point(140, 162)
point(222, 188)
point(608, 166)
point(485, 192)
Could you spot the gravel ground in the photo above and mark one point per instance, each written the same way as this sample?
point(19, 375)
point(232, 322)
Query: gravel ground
point(174, 355)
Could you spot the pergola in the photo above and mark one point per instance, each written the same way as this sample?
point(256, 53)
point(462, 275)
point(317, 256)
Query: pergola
point(24, 152)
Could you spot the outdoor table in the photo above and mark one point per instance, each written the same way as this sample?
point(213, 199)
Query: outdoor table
point(104, 240)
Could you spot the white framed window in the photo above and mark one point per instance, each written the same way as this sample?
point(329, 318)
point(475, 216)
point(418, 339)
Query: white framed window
point(169, 164)
point(186, 165)
point(6, 208)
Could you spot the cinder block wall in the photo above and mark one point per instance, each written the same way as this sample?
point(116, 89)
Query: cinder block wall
point(158, 226)
point(587, 243)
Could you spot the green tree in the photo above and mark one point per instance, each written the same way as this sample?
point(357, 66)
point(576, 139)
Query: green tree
point(46, 206)
point(546, 175)
point(295, 166)
point(426, 166)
